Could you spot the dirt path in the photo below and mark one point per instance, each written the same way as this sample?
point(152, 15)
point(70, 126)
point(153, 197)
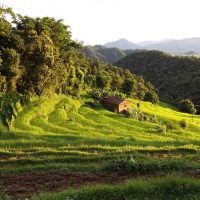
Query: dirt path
point(21, 186)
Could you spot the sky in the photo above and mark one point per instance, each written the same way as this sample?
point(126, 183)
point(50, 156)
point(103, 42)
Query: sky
point(101, 21)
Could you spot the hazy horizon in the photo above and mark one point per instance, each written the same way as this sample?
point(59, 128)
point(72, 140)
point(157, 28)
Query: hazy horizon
point(102, 21)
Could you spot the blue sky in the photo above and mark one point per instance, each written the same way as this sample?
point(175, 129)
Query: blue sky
point(101, 21)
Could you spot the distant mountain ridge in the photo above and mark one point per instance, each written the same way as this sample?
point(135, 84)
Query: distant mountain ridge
point(168, 45)
point(122, 44)
point(177, 46)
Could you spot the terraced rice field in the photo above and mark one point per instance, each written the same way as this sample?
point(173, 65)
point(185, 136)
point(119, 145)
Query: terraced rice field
point(58, 142)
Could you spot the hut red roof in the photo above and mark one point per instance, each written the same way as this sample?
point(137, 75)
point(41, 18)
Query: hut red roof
point(114, 100)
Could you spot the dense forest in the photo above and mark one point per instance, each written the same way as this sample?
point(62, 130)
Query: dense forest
point(176, 77)
point(38, 57)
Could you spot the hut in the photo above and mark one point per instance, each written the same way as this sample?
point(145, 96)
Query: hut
point(116, 104)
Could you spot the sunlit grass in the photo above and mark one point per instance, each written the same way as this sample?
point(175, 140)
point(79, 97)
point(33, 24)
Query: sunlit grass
point(64, 134)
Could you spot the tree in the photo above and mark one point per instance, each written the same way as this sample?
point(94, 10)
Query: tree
point(116, 82)
point(152, 97)
point(11, 68)
point(128, 86)
point(102, 81)
point(187, 106)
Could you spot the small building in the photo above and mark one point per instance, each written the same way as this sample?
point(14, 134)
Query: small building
point(116, 104)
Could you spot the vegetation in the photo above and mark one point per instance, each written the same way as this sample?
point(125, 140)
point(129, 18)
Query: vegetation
point(175, 77)
point(104, 54)
point(160, 188)
point(38, 57)
point(59, 134)
point(54, 135)
point(187, 106)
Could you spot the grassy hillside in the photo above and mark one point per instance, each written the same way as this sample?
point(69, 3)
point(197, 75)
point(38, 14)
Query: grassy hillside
point(59, 142)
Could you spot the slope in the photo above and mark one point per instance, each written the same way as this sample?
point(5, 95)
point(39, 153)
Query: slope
point(175, 77)
point(102, 53)
point(60, 137)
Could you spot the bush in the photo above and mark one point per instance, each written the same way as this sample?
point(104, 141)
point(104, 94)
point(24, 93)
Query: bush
point(153, 119)
point(3, 196)
point(140, 116)
point(161, 128)
point(10, 105)
point(187, 106)
point(136, 114)
point(126, 164)
point(151, 97)
point(184, 123)
point(169, 125)
point(145, 118)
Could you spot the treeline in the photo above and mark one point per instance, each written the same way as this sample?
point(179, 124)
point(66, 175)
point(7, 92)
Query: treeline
point(39, 57)
point(176, 77)
point(104, 54)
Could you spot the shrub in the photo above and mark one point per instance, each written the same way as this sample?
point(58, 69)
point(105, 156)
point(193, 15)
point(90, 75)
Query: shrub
point(153, 119)
point(3, 196)
point(126, 164)
point(169, 125)
point(145, 118)
point(131, 113)
point(151, 97)
point(10, 105)
point(140, 115)
point(187, 106)
point(184, 123)
point(161, 128)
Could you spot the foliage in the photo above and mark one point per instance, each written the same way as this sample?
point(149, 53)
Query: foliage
point(58, 132)
point(104, 54)
point(184, 123)
point(128, 86)
point(10, 105)
point(175, 77)
point(153, 119)
point(161, 128)
point(39, 57)
point(62, 134)
point(169, 187)
point(4, 196)
point(187, 106)
point(151, 97)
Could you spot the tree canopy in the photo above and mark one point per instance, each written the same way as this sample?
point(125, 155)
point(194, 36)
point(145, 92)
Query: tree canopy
point(38, 57)
point(175, 77)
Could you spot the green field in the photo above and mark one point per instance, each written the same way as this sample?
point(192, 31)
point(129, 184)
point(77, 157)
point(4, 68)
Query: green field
point(59, 142)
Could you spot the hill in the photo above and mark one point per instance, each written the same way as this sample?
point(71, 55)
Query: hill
point(175, 77)
point(55, 135)
point(172, 46)
point(104, 54)
point(122, 44)
point(57, 142)
point(177, 46)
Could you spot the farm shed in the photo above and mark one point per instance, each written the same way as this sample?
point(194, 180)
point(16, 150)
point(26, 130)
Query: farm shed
point(116, 104)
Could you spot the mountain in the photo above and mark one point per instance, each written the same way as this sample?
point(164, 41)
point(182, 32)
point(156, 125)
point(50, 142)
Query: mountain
point(150, 42)
point(169, 45)
point(176, 77)
point(102, 53)
point(177, 46)
point(122, 44)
